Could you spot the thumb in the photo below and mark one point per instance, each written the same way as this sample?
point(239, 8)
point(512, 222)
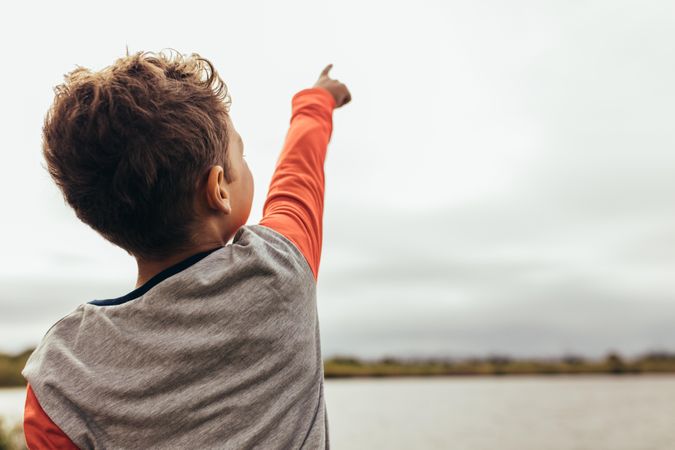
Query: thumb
point(324, 72)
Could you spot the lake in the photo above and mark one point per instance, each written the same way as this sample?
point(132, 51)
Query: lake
point(476, 413)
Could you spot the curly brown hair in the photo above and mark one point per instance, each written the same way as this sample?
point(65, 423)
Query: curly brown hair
point(129, 146)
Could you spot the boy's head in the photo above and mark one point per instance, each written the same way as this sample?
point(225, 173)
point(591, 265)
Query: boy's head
point(145, 152)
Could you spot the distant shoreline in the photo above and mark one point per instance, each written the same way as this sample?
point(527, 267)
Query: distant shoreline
point(351, 367)
point(612, 364)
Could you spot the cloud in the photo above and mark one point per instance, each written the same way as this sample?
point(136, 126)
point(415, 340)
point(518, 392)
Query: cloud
point(501, 182)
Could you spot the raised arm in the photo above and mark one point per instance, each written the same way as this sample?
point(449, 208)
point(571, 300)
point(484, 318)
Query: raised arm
point(294, 204)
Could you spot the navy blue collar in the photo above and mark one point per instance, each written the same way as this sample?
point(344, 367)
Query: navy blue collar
point(154, 281)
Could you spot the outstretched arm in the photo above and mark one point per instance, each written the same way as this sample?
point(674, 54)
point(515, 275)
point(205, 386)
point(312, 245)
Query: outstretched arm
point(294, 204)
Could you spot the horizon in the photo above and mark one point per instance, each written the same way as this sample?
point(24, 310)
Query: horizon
point(417, 357)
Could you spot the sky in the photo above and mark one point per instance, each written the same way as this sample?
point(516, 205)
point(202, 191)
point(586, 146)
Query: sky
point(501, 183)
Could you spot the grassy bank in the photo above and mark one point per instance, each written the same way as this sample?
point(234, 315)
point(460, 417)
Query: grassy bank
point(338, 367)
point(11, 437)
point(10, 368)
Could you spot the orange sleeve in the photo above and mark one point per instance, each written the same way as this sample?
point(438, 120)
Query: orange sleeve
point(294, 204)
point(39, 430)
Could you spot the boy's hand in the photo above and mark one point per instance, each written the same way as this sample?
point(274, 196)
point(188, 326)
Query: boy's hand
point(338, 90)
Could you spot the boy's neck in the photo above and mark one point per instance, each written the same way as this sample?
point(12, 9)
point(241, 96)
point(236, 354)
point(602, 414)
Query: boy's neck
point(149, 268)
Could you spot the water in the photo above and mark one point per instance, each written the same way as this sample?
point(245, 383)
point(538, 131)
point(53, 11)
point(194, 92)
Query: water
point(509, 413)
point(11, 404)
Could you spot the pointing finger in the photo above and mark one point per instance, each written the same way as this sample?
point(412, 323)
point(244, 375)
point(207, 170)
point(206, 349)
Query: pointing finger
point(324, 72)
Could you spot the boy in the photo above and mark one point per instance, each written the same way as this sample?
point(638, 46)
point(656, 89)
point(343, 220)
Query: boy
point(218, 346)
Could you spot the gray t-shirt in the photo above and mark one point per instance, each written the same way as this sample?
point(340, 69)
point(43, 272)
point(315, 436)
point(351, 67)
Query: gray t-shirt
point(220, 351)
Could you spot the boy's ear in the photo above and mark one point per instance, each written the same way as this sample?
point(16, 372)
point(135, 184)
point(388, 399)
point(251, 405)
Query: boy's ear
point(217, 195)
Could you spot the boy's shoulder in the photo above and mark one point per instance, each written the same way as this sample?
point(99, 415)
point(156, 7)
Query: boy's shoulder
point(255, 249)
point(258, 257)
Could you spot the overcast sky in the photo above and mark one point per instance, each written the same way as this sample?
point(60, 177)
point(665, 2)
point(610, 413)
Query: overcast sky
point(502, 181)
